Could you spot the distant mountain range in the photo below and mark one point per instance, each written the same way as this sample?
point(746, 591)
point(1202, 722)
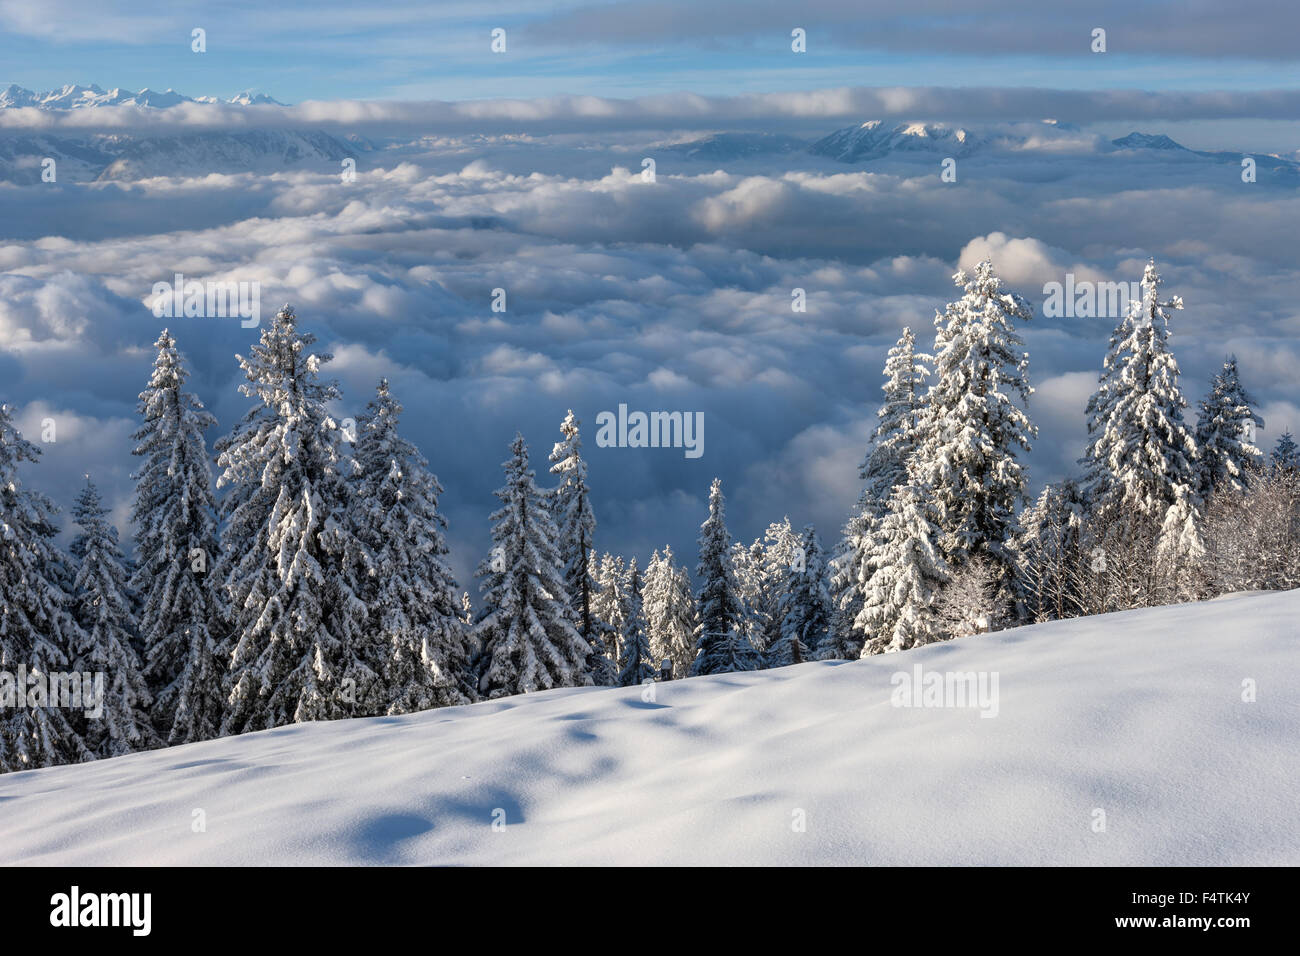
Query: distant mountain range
point(74, 97)
point(876, 140)
point(1268, 161)
point(120, 157)
point(83, 157)
point(86, 157)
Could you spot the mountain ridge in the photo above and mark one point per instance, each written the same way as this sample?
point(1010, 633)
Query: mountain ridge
point(73, 96)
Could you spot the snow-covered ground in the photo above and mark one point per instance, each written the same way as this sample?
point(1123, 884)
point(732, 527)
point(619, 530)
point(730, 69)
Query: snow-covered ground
point(1140, 715)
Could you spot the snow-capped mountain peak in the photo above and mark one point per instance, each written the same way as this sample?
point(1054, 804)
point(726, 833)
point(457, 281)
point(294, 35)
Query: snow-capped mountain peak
point(933, 132)
point(249, 98)
point(873, 139)
point(73, 96)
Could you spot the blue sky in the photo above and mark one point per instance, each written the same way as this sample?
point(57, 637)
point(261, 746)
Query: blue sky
point(332, 50)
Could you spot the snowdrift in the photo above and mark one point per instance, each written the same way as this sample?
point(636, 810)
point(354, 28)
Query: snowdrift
point(1121, 739)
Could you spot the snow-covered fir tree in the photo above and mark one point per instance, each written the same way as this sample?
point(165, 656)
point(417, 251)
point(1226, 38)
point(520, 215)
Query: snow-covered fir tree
point(409, 590)
point(1225, 433)
point(971, 427)
point(609, 604)
point(1142, 459)
point(763, 573)
point(746, 563)
point(39, 634)
point(670, 612)
point(1101, 404)
point(608, 611)
point(805, 607)
point(1141, 453)
point(298, 646)
point(103, 608)
point(526, 630)
point(175, 548)
point(896, 434)
point(636, 663)
point(894, 441)
point(720, 647)
point(784, 553)
point(1180, 551)
point(576, 523)
point(850, 569)
point(1286, 453)
point(1050, 566)
point(898, 606)
point(968, 603)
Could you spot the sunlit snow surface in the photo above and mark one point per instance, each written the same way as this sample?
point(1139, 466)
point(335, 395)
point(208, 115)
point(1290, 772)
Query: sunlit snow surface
point(1138, 714)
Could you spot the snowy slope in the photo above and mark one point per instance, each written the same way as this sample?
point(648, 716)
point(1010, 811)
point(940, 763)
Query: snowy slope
point(727, 146)
point(125, 157)
point(196, 154)
point(78, 160)
point(1160, 143)
point(1139, 714)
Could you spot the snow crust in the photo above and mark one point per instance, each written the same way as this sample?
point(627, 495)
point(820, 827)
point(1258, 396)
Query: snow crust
point(1138, 714)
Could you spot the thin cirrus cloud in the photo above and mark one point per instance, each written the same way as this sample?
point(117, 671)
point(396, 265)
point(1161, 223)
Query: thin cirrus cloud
point(337, 50)
point(1256, 29)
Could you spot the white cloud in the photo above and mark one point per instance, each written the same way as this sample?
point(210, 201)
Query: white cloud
point(674, 295)
point(585, 113)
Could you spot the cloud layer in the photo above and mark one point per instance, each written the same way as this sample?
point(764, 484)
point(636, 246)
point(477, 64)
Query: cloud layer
point(560, 114)
point(666, 295)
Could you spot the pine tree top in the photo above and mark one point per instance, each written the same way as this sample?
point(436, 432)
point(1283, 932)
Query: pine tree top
point(13, 449)
point(1286, 454)
point(89, 512)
